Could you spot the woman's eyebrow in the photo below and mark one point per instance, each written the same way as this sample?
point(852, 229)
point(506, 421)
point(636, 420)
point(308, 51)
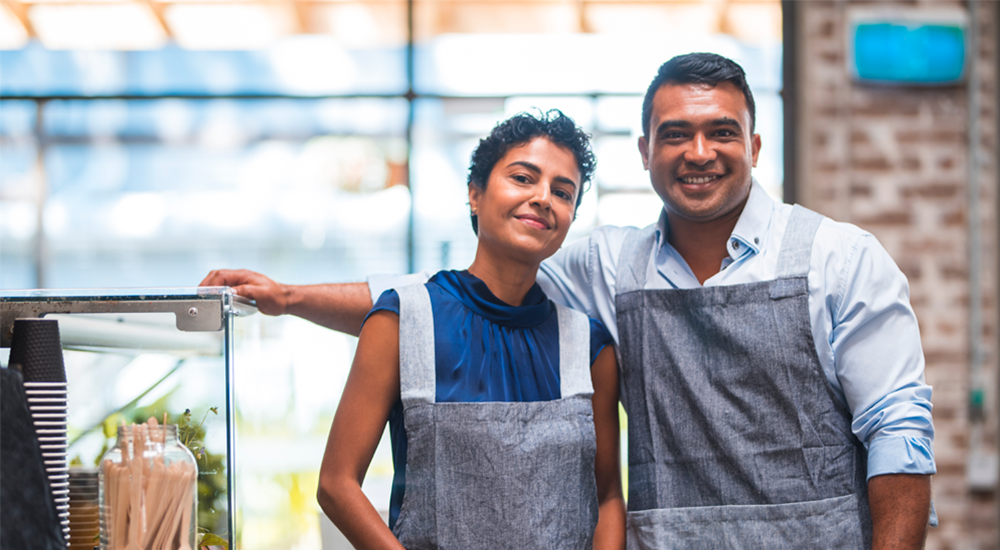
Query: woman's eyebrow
point(564, 179)
point(526, 164)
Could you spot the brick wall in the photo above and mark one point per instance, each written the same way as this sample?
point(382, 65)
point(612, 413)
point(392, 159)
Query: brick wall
point(894, 160)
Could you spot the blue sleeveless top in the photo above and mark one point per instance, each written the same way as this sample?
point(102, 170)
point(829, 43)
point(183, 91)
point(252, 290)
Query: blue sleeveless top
point(485, 350)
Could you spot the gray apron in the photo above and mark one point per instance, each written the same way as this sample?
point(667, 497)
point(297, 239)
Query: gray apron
point(735, 436)
point(492, 474)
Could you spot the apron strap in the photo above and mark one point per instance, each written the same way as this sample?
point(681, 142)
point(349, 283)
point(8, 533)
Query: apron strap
point(417, 372)
point(633, 263)
point(796, 245)
point(574, 352)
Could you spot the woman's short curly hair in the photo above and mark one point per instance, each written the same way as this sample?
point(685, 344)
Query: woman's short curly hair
point(522, 128)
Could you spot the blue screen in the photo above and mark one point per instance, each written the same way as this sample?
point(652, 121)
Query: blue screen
point(924, 54)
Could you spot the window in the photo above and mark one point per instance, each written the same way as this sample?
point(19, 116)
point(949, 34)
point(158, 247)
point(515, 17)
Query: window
point(315, 141)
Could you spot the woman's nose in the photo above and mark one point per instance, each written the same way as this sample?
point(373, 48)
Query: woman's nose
point(542, 196)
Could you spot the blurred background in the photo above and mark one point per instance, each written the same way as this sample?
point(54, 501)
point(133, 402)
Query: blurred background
point(146, 142)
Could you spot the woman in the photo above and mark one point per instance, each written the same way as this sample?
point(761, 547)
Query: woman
point(504, 427)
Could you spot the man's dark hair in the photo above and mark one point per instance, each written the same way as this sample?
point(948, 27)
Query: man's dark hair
point(697, 68)
point(519, 130)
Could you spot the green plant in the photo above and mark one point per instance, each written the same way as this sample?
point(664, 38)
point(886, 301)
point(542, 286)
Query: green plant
point(193, 437)
point(212, 482)
point(208, 539)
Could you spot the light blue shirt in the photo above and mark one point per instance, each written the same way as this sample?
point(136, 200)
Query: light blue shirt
point(863, 327)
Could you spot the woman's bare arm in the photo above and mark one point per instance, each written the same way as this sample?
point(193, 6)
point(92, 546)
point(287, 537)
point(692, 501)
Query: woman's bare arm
point(371, 391)
point(337, 306)
point(610, 533)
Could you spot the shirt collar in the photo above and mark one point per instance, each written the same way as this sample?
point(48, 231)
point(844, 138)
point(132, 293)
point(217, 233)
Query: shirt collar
point(752, 226)
point(750, 229)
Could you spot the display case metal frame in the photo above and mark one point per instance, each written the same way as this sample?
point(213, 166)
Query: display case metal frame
point(196, 309)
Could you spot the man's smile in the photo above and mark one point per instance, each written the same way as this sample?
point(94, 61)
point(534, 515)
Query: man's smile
point(699, 180)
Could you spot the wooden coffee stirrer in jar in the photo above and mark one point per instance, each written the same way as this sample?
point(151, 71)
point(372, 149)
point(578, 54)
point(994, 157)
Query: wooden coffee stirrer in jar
point(186, 521)
point(122, 498)
point(155, 499)
point(147, 503)
point(172, 503)
point(152, 489)
point(135, 488)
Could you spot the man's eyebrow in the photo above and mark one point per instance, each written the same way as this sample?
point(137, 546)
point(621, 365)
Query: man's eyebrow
point(726, 121)
point(722, 121)
point(537, 170)
point(668, 124)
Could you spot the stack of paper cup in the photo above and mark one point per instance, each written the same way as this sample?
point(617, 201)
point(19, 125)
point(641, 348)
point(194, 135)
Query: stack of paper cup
point(83, 510)
point(36, 347)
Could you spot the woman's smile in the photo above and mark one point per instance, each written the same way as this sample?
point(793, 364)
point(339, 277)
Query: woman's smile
point(534, 221)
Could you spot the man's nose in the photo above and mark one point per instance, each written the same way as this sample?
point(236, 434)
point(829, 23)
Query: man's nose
point(700, 151)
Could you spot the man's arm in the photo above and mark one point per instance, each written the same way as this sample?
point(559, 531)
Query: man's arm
point(880, 366)
point(340, 306)
point(581, 275)
point(900, 505)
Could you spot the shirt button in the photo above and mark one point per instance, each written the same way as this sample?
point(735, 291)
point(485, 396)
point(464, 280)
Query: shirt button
point(736, 245)
point(756, 240)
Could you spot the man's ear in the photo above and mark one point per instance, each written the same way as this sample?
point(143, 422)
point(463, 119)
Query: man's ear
point(755, 148)
point(644, 151)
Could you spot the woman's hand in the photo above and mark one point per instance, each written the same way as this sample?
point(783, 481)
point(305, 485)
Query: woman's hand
point(610, 532)
point(371, 391)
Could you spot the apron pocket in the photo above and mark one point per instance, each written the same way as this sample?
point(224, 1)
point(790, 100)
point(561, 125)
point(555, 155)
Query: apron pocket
point(828, 523)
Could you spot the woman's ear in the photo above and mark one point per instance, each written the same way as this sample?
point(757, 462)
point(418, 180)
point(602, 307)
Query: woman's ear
point(474, 193)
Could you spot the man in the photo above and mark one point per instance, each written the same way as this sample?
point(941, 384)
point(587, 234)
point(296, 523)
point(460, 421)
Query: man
point(771, 362)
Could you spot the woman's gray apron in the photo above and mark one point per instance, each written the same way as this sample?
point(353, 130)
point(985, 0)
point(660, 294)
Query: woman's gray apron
point(735, 436)
point(495, 475)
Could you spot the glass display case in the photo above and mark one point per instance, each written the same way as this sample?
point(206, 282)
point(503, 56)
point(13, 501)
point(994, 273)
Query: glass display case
point(133, 354)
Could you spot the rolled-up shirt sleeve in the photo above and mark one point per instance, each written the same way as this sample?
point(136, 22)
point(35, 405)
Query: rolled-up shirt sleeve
point(566, 276)
point(581, 275)
point(879, 363)
point(379, 283)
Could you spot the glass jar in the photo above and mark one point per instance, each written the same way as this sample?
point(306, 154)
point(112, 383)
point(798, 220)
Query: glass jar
point(148, 470)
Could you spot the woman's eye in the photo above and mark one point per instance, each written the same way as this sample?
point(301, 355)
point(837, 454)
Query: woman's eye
point(563, 194)
point(520, 178)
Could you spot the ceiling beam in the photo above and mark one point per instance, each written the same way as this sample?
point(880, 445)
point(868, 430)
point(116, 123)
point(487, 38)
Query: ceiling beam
point(20, 11)
point(158, 9)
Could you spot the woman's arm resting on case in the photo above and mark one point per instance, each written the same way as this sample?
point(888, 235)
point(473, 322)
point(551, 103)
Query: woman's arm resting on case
point(370, 393)
point(338, 306)
point(610, 533)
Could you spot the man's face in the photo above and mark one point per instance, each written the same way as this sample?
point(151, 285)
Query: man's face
point(699, 152)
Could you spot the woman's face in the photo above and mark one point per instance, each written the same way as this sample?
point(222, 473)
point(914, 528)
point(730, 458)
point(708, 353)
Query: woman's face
point(528, 204)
